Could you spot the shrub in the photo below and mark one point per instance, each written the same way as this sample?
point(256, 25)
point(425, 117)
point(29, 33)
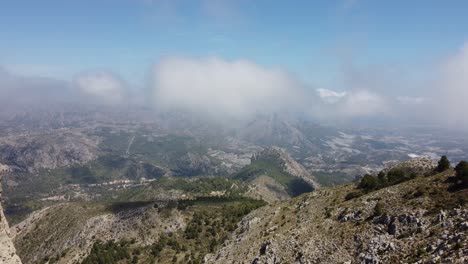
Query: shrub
point(382, 178)
point(368, 182)
point(462, 172)
point(396, 175)
point(378, 209)
point(444, 164)
point(109, 253)
point(352, 195)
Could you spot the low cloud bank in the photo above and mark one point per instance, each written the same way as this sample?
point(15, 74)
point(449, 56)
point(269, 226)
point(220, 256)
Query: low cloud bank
point(217, 87)
point(102, 86)
point(240, 89)
point(18, 90)
point(224, 88)
point(450, 93)
point(355, 103)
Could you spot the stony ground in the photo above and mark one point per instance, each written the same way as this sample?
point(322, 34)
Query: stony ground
point(69, 230)
point(424, 220)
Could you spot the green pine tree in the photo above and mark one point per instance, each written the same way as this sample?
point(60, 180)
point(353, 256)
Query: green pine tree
point(444, 164)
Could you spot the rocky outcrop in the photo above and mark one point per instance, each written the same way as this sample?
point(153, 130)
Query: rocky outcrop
point(7, 249)
point(402, 225)
point(352, 216)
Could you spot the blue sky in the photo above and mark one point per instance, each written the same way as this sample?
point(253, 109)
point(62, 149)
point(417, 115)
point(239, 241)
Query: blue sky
point(334, 60)
point(310, 39)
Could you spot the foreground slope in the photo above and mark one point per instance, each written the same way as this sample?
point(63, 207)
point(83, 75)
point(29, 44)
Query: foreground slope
point(130, 232)
point(424, 219)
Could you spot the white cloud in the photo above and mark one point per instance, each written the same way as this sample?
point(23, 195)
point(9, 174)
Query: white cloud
point(363, 103)
point(438, 98)
point(218, 87)
point(447, 93)
point(241, 88)
point(409, 100)
point(453, 87)
point(330, 96)
point(103, 86)
point(354, 103)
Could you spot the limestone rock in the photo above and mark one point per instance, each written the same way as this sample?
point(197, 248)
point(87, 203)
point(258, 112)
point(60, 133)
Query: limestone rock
point(7, 249)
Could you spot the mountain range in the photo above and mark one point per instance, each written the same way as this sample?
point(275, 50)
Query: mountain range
point(115, 186)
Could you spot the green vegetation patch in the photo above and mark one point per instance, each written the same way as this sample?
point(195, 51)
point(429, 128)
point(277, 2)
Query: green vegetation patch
point(108, 253)
point(332, 178)
point(273, 168)
point(196, 186)
point(212, 221)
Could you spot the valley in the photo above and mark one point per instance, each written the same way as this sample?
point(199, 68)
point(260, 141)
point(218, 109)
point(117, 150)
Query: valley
point(159, 192)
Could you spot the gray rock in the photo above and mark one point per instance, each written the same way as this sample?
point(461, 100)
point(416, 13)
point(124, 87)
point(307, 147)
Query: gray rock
point(464, 226)
point(7, 249)
point(353, 216)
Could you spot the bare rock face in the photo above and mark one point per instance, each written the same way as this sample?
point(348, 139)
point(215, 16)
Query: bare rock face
point(7, 249)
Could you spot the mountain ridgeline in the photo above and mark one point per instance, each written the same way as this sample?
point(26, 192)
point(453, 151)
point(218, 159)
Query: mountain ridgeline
point(274, 163)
